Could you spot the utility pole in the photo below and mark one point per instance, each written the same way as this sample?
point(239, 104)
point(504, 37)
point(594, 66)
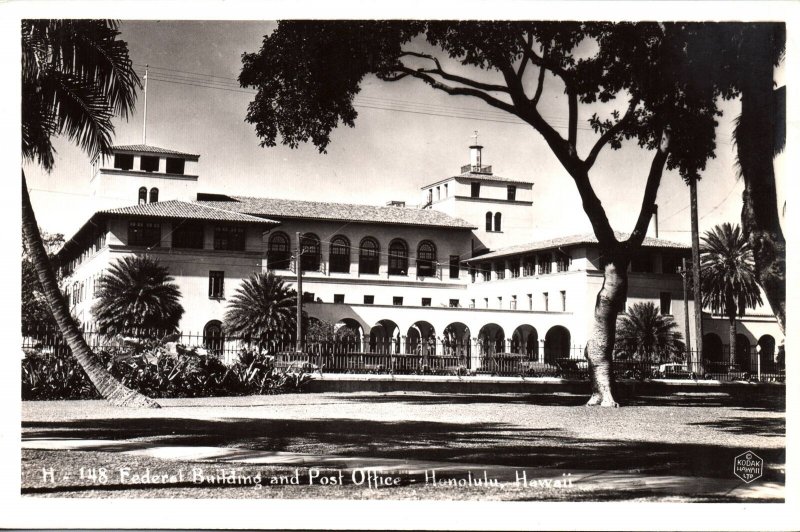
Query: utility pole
point(299, 269)
point(698, 299)
point(144, 122)
point(684, 274)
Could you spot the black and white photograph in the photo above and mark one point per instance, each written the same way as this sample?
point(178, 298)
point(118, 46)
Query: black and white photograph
point(473, 261)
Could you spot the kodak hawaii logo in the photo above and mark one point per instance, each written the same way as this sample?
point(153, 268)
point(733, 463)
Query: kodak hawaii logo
point(748, 466)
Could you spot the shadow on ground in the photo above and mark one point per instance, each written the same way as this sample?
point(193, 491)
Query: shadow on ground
point(479, 443)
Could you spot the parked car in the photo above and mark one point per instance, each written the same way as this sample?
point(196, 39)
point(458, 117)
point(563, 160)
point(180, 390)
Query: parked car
point(674, 371)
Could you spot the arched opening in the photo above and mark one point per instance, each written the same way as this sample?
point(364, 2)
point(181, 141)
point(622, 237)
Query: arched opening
point(456, 341)
point(426, 259)
point(384, 337)
point(142, 195)
point(421, 339)
point(491, 340)
point(767, 351)
point(712, 348)
point(309, 252)
point(498, 221)
point(213, 338)
point(153, 195)
point(556, 344)
point(525, 341)
point(488, 221)
point(368, 253)
point(743, 352)
point(339, 255)
point(278, 254)
point(398, 257)
point(348, 336)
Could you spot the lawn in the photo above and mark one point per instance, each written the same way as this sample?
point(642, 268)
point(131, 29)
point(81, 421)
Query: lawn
point(677, 448)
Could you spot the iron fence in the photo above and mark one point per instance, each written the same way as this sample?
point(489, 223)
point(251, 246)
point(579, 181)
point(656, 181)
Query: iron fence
point(437, 356)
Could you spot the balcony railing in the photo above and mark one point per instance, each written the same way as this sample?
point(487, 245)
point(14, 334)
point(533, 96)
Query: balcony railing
point(476, 169)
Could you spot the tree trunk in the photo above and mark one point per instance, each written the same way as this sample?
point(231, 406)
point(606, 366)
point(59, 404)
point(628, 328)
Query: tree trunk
point(600, 347)
point(756, 145)
point(111, 389)
point(732, 340)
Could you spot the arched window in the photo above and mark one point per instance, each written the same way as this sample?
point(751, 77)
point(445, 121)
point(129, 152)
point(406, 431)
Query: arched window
point(278, 255)
point(488, 221)
point(368, 256)
point(309, 252)
point(153, 195)
point(398, 257)
point(213, 339)
point(142, 196)
point(498, 219)
point(426, 259)
point(340, 255)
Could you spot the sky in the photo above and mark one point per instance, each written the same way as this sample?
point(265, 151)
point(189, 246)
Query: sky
point(406, 135)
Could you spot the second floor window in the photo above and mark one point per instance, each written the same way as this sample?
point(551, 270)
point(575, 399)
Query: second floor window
point(512, 192)
point(455, 270)
point(398, 258)
point(545, 266)
point(475, 190)
point(229, 238)
point(426, 259)
point(368, 256)
point(153, 195)
point(188, 236)
point(278, 254)
point(340, 255)
point(562, 263)
point(498, 222)
point(144, 234)
point(309, 252)
point(488, 221)
point(142, 195)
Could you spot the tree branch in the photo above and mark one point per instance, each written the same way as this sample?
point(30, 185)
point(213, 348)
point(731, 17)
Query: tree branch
point(608, 135)
point(539, 85)
point(650, 192)
point(525, 60)
point(572, 123)
point(452, 77)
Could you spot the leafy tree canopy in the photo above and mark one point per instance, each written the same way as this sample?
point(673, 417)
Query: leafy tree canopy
point(35, 311)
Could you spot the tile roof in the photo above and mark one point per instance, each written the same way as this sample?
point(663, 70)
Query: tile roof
point(284, 208)
point(491, 177)
point(151, 149)
point(571, 241)
point(186, 210)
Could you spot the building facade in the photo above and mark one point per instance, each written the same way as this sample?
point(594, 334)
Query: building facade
point(461, 266)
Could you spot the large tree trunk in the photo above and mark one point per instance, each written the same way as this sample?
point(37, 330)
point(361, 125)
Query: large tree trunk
point(756, 145)
point(111, 389)
point(732, 340)
point(600, 347)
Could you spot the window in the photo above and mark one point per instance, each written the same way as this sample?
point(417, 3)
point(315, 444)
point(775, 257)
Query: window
point(144, 234)
point(513, 267)
point(430, 196)
point(309, 252)
point(475, 190)
point(642, 264)
point(142, 196)
point(500, 271)
point(529, 266)
point(175, 165)
point(488, 221)
point(563, 262)
point(340, 255)
point(530, 301)
point(397, 301)
point(498, 219)
point(438, 193)
point(368, 256)
point(512, 192)
point(486, 272)
point(398, 258)
point(513, 303)
point(188, 236)
point(666, 302)
point(454, 267)
point(308, 297)
point(278, 255)
point(123, 161)
point(445, 190)
point(426, 259)
point(545, 264)
point(229, 238)
point(670, 263)
point(148, 163)
point(369, 300)
point(546, 300)
point(338, 298)
point(563, 301)
point(153, 195)
point(485, 302)
point(216, 284)
point(471, 303)
point(213, 338)
point(454, 303)
point(500, 302)
point(426, 302)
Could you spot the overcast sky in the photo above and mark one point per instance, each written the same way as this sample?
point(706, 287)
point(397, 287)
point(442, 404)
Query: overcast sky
point(389, 154)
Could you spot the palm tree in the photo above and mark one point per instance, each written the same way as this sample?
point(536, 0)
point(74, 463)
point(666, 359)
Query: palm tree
point(76, 76)
point(647, 334)
point(728, 279)
point(137, 294)
point(263, 309)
